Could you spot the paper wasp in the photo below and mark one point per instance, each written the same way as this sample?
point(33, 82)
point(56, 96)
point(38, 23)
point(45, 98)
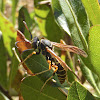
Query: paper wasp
point(45, 46)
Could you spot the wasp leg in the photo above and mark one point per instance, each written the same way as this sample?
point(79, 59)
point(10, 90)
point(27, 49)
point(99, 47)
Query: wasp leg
point(24, 77)
point(27, 58)
point(35, 74)
point(56, 68)
point(44, 70)
point(46, 83)
point(49, 64)
point(40, 72)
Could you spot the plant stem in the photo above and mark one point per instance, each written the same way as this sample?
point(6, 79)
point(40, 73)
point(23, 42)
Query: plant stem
point(5, 92)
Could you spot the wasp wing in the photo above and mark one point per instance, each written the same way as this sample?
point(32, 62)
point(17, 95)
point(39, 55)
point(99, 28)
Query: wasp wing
point(64, 65)
point(70, 48)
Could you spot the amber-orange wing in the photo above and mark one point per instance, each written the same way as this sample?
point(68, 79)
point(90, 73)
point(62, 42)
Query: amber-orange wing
point(64, 65)
point(70, 48)
point(23, 44)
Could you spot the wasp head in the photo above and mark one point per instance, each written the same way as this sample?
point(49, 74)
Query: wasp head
point(35, 42)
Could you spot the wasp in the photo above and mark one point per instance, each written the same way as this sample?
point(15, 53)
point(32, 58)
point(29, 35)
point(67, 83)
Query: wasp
point(45, 47)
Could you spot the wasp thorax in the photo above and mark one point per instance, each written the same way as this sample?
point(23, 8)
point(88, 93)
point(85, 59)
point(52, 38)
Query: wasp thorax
point(46, 43)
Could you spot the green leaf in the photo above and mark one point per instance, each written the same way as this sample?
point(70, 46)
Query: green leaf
point(78, 92)
point(77, 21)
point(90, 76)
point(41, 12)
point(3, 66)
point(37, 63)
point(94, 48)
point(52, 29)
point(75, 18)
point(93, 9)
point(30, 90)
point(8, 32)
point(46, 22)
point(14, 6)
point(24, 16)
point(59, 16)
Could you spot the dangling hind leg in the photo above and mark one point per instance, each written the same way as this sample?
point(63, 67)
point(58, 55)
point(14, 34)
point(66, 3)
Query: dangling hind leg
point(35, 74)
point(56, 68)
point(27, 57)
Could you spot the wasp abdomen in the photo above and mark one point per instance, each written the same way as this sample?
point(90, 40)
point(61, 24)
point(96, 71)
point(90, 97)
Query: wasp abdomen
point(61, 73)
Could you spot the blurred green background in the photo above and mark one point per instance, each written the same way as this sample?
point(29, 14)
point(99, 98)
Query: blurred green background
point(76, 22)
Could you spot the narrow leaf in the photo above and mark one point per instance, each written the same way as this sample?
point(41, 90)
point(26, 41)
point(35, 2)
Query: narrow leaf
point(90, 76)
point(78, 92)
point(59, 16)
point(93, 10)
point(24, 16)
point(31, 86)
point(14, 69)
point(94, 47)
point(14, 6)
point(8, 32)
point(46, 22)
point(3, 66)
point(2, 5)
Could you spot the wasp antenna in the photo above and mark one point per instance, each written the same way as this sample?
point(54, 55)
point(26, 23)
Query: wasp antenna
point(27, 28)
